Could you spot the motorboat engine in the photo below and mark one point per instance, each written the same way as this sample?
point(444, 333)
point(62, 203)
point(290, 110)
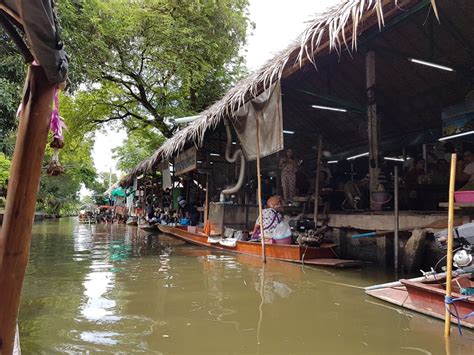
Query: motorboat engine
point(463, 237)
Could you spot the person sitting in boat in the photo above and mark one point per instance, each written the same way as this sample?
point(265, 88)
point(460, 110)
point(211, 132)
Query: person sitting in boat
point(188, 211)
point(271, 217)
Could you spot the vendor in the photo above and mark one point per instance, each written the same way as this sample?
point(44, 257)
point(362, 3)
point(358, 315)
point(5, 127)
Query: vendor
point(467, 176)
point(271, 217)
point(188, 211)
point(288, 168)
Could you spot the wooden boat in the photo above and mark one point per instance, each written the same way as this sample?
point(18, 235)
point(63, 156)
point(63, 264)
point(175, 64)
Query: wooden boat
point(132, 222)
point(428, 298)
point(319, 256)
point(87, 217)
point(148, 228)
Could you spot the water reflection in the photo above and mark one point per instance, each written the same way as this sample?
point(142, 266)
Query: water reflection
point(114, 289)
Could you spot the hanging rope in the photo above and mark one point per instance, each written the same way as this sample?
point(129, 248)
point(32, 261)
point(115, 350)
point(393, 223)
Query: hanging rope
point(450, 301)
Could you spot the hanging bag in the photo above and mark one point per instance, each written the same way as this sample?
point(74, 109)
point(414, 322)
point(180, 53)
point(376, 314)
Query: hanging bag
point(282, 232)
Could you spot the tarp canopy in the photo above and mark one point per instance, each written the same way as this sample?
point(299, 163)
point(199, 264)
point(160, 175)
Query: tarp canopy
point(36, 18)
point(118, 192)
point(267, 109)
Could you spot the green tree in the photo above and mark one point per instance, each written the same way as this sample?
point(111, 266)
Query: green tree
point(5, 165)
point(138, 146)
point(101, 184)
point(12, 76)
point(155, 59)
point(60, 194)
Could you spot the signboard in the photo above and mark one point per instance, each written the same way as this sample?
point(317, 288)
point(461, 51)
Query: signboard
point(186, 161)
point(457, 119)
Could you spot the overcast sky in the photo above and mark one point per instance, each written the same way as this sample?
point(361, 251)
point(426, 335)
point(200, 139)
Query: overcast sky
point(277, 24)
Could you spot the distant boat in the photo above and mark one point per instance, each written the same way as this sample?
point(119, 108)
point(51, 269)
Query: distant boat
point(320, 256)
point(132, 222)
point(87, 215)
point(148, 227)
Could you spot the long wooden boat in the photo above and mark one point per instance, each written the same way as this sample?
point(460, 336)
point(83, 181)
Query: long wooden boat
point(320, 256)
point(428, 298)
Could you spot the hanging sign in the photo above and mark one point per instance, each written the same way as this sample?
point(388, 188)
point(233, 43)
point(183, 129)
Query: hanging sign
point(458, 119)
point(186, 161)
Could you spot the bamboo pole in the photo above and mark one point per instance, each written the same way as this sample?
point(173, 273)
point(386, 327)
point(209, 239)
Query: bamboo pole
point(25, 173)
point(449, 259)
point(317, 187)
point(259, 193)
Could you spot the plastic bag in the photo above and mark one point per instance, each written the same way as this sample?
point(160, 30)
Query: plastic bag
point(282, 230)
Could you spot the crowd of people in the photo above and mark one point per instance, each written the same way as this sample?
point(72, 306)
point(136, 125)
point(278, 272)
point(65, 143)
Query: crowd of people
point(186, 214)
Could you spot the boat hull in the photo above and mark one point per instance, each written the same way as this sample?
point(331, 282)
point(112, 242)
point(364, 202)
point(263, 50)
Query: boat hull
point(424, 298)
point(148, 228)
point(291, 253)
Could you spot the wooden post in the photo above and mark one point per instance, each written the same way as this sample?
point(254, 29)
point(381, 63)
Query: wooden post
point(25, 173)
point(373, 126)
point(206, 203)
point(396, 220)
point(449, 259)
point(425, 158)
point(317, 184)
point(259, 194)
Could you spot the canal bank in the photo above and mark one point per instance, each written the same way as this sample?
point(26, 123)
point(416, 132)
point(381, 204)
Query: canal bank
point(39, 216)
point(114, 288)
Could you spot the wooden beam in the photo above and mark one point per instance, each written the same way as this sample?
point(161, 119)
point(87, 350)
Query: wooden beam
point(15, 236)
point(373, 124)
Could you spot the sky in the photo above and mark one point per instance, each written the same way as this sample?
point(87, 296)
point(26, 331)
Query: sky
point(277, 24)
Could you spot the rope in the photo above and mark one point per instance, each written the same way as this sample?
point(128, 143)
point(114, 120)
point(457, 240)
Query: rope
point(304, 254)
point(448, 300)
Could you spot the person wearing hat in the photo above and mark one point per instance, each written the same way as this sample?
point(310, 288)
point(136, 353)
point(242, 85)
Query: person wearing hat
point(188, 211)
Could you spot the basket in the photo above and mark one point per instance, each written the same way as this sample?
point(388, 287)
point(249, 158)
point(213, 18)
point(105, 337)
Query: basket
point(464, 196)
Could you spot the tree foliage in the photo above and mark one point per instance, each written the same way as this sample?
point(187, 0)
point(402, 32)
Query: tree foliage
point(60, 194)
point(135, 64)
point(138, 146)
point(156, 59)
point(12, 76)
point(5, 165)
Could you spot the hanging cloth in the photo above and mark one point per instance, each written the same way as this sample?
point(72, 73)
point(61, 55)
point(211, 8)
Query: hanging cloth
point(267, 108)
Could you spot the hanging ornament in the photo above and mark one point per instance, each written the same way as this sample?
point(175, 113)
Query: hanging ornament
point(54, 167)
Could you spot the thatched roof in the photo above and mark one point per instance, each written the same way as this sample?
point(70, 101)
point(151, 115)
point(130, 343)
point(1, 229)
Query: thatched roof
point(333, 30)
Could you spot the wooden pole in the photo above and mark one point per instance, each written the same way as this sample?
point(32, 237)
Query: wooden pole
point(449, 259)
point(259, 194)
point(396, 220)
point(373, 126)
point(25, 173)
point(206, 204)
point(317, 185)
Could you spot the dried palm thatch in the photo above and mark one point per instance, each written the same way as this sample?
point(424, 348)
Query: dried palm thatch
point(335, 29)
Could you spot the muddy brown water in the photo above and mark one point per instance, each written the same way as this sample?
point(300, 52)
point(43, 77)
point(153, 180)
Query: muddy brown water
point(116, 289)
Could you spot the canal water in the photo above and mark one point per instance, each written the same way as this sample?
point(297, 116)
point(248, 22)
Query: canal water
point(116, 289)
